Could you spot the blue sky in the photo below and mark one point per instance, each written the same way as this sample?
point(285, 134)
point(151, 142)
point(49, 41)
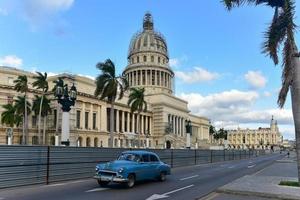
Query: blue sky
point(215, 54)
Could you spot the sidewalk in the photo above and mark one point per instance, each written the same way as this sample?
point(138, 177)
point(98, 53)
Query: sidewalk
point(264, 184)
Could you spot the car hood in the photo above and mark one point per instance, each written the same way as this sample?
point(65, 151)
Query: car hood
point(116, 165)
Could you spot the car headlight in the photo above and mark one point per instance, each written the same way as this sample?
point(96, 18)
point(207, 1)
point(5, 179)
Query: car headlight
point(97, 168)
point(121, 170)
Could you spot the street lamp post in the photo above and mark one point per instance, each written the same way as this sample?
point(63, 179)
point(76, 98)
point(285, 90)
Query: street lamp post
point(147, 139)
point(66, 99)
point(188, 127)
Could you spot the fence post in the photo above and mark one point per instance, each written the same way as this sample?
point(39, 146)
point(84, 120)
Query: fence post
point(171, 158)
point(195, 156)
point(211, 160)
point(48, 164)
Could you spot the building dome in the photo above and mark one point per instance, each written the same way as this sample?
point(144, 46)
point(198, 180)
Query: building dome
point(148, 61)
point(148, 39)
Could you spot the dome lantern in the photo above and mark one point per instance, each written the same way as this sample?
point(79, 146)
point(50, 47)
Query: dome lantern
point(148, 22)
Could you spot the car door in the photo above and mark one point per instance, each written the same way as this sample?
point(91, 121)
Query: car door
point(145, 167)
point(154, 163)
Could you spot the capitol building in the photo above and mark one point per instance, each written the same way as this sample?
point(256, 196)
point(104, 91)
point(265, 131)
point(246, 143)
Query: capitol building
point(148, 67)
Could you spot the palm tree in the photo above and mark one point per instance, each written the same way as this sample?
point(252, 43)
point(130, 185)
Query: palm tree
point(22, 110)
point(40, 83)
point(110, 86)
point(46, 109)
point(10, 117)
point(282, 32)
point(21, 85)
point(137, 103)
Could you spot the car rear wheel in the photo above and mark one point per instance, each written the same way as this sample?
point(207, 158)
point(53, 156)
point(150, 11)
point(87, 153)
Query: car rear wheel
point(162, 176)
point(131, 181)
point(102, 183)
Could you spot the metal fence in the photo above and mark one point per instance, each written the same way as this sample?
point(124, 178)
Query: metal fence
point(28, 165)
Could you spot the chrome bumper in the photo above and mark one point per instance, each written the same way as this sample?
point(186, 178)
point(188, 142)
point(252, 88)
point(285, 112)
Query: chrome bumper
point(111, 179)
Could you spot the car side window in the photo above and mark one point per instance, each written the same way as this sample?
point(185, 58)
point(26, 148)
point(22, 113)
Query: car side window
point(145, 158)
point(153, 158)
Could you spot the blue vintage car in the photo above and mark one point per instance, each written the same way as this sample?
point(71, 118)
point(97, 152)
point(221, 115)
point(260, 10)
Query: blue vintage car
point(132, 166)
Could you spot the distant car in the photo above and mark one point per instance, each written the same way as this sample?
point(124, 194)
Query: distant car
point(132, 166)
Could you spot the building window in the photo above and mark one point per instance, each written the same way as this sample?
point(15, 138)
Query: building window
point(33, 121)
point(138, 77)
point(130, 122)
point(116, 142)
point(101, 143)
point(149, 143)
point(125, 122)
point(153, 77)
point(148, 76)
point(135, 124)
point(152, 58)
point(54, 118)
point(108, 119)
point(145, 58)
point(138, 59)
point(95, 142)
point(78, 118)
point(94, 120)
point(52, 140)
point(158, 79)
point(86, 120)
point(158, 59)
point(35, 140)
point(88, 142)
point(132, 60)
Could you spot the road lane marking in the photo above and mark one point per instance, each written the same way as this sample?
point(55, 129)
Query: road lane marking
point(182, 179)
point(250, 166)
point(97, 189)
point(230, 167)
point(165, 195)
point(53, 185)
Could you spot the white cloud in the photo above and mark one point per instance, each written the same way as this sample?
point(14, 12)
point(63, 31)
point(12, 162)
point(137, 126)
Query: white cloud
point(197, 75)
point(230, 109)
point(174, 62)
point(11, 61)
point(255, 79)
point(37, 12)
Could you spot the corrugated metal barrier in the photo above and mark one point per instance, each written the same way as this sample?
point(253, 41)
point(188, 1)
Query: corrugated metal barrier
point(28, 165)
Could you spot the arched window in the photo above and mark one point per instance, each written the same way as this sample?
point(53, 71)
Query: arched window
point(145, 58)
point(158, 59)
point(52, 140)
point(95, 142)
point(88, 142)
point(79, 144)
point(35, 140)
point(138, 59)
point(101, 143)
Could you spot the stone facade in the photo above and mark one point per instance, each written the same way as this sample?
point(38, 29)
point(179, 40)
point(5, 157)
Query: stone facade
point(148, 67)
point(255, 138)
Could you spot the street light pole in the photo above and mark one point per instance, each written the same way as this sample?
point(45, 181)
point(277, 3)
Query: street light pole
point(188, 127)
point(147, 139)
point(66, 99)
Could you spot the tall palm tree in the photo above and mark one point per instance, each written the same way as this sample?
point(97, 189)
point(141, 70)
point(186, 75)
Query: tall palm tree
point(111, 87)
point(23, 110)
point(137, 103)
point(21, 85)
point(10, 117)
point(46, 109)
point(42, 84)
point(282, 32)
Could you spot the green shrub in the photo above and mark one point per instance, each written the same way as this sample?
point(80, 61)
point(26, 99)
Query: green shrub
point(290, 183)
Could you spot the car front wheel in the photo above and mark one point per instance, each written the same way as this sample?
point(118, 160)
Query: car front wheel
point(131, 181)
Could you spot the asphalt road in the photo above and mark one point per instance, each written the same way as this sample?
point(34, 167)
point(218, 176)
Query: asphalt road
point(185, 183)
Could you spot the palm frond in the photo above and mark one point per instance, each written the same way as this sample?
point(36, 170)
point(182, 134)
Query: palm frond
point(229, 4)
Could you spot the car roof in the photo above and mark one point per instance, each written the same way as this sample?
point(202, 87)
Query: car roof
point(139, 152)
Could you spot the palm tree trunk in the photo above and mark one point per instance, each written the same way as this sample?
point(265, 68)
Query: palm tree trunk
point(111, 124)
point(295, 95)
point(26, 120)
point(44, 130)
point(23, 130)
point(40, 115)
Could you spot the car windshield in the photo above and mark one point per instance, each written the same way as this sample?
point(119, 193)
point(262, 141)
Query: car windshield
point(129, 156)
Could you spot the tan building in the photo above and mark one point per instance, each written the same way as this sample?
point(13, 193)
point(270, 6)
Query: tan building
point(255, 138)
point(148, 67)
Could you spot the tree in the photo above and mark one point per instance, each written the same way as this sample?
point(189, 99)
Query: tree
point(24, 111)
point(281, 32)
point(21, 85)
point(137, 103)
point(212, 131)
point(110, 87)
point(46, 109)
point(220, 134)
point(42, 84)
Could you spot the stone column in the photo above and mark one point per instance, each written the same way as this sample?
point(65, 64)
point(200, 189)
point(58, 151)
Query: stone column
point(179, 126)
point(133, 123)
point(98, 124)
point(117, 120)
point(123, 121)
point(146, 77)
point(82, 124)
point(150, 125)
point(146, 124)
point(142, 124)
point(128, 122)
point(173, 121)
point(90, 124)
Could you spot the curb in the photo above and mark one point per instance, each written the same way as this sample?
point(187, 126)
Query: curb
point(258, 194)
